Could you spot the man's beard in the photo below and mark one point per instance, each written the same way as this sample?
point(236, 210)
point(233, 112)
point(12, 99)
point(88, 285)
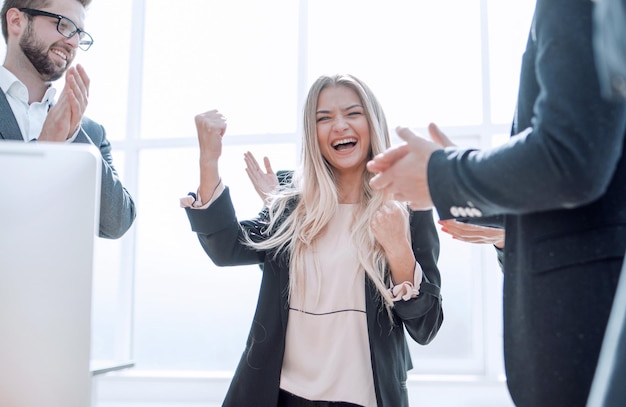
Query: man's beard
point(37, 54)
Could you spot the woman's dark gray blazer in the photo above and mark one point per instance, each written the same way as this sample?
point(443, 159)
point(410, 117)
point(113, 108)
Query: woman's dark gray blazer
point(256, 380)
point(561, 184)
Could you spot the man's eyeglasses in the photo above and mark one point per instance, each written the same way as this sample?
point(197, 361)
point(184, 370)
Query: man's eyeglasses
point(65, 27)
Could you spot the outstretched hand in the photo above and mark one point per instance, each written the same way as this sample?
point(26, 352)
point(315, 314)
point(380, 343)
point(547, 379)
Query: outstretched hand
point(466, 232)
point(264, 182)
point(438, 136)
point(402, 170)
point(470, 233)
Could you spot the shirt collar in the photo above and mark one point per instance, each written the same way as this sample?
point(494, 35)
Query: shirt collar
point(7, 79)
point(13, 86)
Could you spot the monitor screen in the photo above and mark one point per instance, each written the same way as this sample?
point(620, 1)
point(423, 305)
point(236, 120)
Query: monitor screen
point(49, 207)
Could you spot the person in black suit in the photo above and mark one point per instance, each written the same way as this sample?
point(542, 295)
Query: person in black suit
point(608, 389)
point(41, 46)
point(560, 183)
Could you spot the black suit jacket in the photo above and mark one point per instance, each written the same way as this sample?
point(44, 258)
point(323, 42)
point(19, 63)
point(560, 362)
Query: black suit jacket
point(608, 384)
point(561, 183)
point(117, 209)
point(257, 378)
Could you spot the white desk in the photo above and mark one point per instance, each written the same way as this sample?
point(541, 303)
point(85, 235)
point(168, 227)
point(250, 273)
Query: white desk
point(101, 367)
point(46, 266)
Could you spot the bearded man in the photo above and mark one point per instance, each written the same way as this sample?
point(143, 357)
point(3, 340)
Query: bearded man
point(42, 38)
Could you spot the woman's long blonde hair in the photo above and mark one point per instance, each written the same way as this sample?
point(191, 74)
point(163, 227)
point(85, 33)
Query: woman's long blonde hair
point(314, 189)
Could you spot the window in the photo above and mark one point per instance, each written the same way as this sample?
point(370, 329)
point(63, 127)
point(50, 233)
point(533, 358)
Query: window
point(159, 299)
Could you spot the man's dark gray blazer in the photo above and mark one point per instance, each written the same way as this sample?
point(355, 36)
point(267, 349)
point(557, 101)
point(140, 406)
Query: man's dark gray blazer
point(560, 181)
point(117, 209)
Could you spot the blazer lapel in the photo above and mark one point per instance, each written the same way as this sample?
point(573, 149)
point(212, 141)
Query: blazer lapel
point(9, 129)
point(283, 281)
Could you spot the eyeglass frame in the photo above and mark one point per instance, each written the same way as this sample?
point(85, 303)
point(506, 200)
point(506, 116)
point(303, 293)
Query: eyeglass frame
point(81, 33)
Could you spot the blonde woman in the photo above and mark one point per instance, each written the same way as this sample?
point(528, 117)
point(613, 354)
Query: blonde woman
point(345, 269)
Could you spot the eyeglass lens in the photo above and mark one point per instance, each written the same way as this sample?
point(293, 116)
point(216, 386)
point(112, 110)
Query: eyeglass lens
point(67, 28)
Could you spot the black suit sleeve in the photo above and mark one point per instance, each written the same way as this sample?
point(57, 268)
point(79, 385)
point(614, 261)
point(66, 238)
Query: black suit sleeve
point(567, 142)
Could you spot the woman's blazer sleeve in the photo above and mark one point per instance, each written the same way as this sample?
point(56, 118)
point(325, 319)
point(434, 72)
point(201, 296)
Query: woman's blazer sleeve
point(423, 315)
point(222, 235)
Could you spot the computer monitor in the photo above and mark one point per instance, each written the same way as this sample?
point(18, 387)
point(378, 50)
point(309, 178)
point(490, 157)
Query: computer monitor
point(49, 209)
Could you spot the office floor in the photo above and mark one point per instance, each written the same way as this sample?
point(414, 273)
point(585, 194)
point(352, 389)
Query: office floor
point(116, 391)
